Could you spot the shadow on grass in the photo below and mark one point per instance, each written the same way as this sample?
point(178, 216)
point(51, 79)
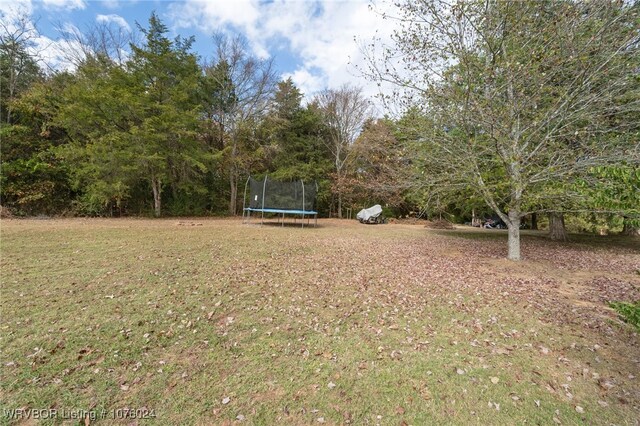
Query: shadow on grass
point(287, 224)
point(576, 241)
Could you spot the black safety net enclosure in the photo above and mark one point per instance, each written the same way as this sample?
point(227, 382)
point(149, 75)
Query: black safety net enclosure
point(270, 196)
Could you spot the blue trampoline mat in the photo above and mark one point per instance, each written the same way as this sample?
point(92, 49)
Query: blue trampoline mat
point(302, 212)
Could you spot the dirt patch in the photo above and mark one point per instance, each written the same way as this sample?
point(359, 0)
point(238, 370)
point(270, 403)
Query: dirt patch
point(440, 224)
point(5, 213)
point(408, 221)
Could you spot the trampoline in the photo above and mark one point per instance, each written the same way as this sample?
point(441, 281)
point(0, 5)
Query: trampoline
point(280, 198)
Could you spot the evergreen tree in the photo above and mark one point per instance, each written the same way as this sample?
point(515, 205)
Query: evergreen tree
point(135, 124)
point(165, 78)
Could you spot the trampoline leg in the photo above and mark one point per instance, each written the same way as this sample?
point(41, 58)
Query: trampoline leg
point(315, 216)
point(283, 220)
point(302, 221)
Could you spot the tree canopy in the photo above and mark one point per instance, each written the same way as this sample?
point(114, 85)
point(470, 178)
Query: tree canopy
point(507, 109)
point(522, 99)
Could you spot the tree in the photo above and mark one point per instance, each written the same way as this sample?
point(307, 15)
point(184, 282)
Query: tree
point(287, 100)
point(97, 110)
point(344, 111)
point(557, 230)
point(238, 89)
point(616, 189)
point(135, 123)
point(106, 39)
point(166, 76)
point(18, 68)
point(379, 166)
point(521, 96)
point(33, 179)
point(292, 141)
point(295, 136)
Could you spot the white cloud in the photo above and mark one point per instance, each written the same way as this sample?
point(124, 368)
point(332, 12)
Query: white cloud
point(111, 4)
point(49, 53)
point(71, 30)
point(12, 10)
point(320, 33)
point(307, 82)
point(64, 4)
point(212, 15)
point(55, 54)
point(117, 19)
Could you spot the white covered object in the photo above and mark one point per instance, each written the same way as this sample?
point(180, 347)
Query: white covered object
point(366, 214)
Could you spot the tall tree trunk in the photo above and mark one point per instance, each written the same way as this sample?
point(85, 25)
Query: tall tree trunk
point(338, 190)
point(534, 221)
point(157, 196)
point(233, 178)
point(513, 242)
point(557, 230)
point(629, 229)
point(233, 185)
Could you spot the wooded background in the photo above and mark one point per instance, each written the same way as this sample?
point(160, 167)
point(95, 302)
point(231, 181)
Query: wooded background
point(521, 110)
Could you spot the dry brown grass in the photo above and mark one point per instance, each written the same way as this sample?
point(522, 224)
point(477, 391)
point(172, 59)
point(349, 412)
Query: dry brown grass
point(344, 323)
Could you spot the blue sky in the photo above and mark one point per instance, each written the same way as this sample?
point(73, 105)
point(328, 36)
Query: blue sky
point(311, 41)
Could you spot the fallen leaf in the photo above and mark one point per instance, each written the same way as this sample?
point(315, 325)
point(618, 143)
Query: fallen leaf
point(605, 384)
point(495, 380)
point(226, 400)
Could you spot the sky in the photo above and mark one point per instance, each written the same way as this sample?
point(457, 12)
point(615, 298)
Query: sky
point(311, 41)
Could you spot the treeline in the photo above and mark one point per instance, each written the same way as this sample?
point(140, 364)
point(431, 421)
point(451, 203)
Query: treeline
point(159, 132)
point(518, 113)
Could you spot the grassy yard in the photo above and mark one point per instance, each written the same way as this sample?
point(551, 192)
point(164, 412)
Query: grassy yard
point(214, 322)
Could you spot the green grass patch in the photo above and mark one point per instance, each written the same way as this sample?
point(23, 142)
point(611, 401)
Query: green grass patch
point(630, 312)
